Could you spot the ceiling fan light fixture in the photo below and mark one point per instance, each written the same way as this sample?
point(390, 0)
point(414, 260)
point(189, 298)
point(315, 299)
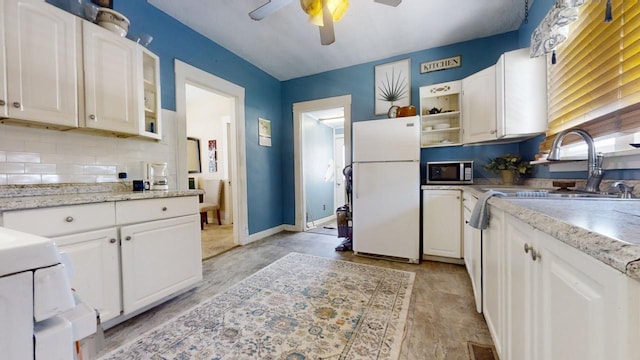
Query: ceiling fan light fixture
point(313, 8)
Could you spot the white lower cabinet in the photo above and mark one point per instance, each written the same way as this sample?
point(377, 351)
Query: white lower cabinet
point(441, 223)
point(126, 255)
point(472, 249)
point(176, 262)
point(493, 295)
point(557, 302)
point(96, 269)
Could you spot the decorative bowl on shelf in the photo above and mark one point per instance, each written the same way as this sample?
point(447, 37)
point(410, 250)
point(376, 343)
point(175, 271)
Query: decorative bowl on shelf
point(113, 21)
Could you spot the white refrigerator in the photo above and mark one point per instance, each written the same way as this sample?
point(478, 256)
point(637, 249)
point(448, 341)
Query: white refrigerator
point(386, 188)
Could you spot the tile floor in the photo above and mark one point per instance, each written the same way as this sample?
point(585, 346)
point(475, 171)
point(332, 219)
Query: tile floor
point(442, 316)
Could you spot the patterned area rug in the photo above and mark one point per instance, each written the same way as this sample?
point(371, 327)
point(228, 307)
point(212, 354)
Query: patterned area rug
point(299, 307)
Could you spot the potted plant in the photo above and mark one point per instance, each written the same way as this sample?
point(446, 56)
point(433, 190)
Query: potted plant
point(510, 166)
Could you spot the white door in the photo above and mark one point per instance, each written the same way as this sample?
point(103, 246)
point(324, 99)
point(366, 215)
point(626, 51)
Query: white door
point(176, 264)
point(386, 209)
point(112, 72)
point(387, 139)
point(42, 62)
point(441, 221)
point(338, 159)
point(479, 106)
point(228, 201)
point(96, 269)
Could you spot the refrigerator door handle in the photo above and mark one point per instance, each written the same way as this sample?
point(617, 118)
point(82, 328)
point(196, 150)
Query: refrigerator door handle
point(356, 177)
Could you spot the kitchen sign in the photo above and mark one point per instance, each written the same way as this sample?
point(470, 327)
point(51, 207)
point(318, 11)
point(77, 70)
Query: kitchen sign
point(441, 64)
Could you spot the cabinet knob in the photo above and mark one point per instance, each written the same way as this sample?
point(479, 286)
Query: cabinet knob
point(92, 117)
point(16, 105)
point(113, 241)
point(69, 219)
point(164, 208)
point(2, 103)
point(527, 248)
point(128, 238)
point(492, 132)
point(535, 255)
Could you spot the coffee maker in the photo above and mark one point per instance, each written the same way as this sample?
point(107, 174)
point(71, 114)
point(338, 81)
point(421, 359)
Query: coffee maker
point(158, 177)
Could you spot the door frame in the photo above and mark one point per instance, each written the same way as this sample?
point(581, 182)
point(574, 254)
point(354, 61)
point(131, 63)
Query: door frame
point(299, 109)
point(184, 74)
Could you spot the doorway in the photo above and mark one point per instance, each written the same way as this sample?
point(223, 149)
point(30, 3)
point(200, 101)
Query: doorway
point(319, 127)
point(224, 158)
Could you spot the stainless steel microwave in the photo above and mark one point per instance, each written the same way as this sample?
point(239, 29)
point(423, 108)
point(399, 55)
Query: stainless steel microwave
point(450, 172)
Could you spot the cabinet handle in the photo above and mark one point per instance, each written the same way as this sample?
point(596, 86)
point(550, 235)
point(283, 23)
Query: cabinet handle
point(113, 241)
point(457, 197)
point(2, 103)
point(164, 208)
point(69, 219)
point(492, 132)
point(16, 105)
point(466, 221)
point(128, 238)
point(92, 117)
point(527, 248)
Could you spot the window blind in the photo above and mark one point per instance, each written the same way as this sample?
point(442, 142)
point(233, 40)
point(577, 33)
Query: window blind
point(596, 79)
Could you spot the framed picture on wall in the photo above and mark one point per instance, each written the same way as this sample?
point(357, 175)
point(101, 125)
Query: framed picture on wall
point(104, 3)
point(264, 132)
point(392, 85)
point(193, 155)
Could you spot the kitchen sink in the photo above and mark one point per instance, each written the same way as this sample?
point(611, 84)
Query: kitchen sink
point(537, 193)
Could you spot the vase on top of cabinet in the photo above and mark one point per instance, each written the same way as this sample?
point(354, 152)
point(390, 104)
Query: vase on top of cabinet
point(440, 114)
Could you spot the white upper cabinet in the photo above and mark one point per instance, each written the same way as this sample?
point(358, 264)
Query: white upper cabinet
point(112, 90)
point(505, 101)
point(521, 89)
point(42, 63)
point(151, 126)
point(479, 106)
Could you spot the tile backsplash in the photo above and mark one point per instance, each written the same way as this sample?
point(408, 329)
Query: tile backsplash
point(43, 156)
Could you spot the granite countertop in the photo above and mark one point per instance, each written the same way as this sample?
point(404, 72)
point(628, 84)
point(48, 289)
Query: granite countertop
point(607, 230)
point(20, 197)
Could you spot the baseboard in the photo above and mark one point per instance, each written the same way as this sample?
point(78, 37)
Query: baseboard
point(320, 221)
point(291, 228)
point(264, 233)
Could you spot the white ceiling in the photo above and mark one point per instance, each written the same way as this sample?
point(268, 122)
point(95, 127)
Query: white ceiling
point(286, 46)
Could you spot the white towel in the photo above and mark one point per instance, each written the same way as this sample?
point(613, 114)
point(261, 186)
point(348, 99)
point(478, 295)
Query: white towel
point(480, 216)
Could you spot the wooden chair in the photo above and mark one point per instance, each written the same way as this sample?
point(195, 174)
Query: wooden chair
point(212, 194)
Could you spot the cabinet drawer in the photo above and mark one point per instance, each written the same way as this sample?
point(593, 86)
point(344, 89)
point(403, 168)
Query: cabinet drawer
point(61, 220)
point(133, 211)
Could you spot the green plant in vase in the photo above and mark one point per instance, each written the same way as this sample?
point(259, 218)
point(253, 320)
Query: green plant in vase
point(510, 166)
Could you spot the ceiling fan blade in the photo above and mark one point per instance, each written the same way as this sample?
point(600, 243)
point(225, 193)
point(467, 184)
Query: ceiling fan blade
point(268, 9)
point(327, 35)
point(389, 2)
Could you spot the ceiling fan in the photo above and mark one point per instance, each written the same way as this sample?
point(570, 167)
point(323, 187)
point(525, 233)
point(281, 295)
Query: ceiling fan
point(321, 12)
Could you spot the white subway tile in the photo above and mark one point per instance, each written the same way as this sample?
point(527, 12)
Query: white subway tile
point(11, 168)
point(13, 179)
point(59, 179)
point(25, 157)
point(3, 179)
point(3, 156)
point(39, 168)
point(97, 170)
point(70, 169)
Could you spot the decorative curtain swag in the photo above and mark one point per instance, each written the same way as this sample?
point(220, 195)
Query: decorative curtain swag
point(554, 28)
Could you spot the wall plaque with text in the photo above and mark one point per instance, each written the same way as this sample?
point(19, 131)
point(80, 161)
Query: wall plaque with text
point(440, 64)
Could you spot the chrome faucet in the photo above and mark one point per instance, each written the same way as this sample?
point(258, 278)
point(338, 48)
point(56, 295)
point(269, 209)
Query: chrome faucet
point(594, 162)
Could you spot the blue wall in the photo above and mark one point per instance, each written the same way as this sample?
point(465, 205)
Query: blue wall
point(318, 151)
point(173, 40)
point(270, 172)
